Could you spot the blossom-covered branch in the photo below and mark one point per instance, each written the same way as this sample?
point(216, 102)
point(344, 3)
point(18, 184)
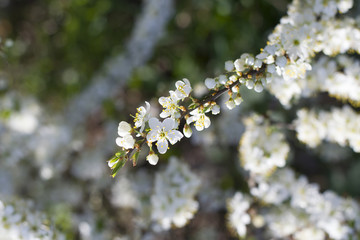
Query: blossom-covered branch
point(285, 58)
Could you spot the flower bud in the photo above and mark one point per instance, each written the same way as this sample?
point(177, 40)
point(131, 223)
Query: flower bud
point(187, 131)
point(258, 63)
point(258, 87)
point(222, 79)
point(230, 104)
point(210, 83)
point(249, 84)
point(215, 109)
point(238, 99)
point(152, 158)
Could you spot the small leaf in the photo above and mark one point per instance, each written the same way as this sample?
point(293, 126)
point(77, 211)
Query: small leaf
point(118, 166)
point(134, 157)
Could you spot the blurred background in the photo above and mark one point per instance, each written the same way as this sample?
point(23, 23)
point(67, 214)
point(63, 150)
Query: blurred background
point(72, 69)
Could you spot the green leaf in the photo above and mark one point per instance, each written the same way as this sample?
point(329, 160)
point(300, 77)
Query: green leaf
point(134, 157)
point(118, 166)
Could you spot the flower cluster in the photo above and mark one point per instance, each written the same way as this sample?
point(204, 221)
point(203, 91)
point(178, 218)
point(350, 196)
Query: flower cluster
point(308, 211)
point(339, 126)
point(294, 207)
point(287, 56)
point(17, 221)
point(160, 132)
point(337, 76)
point(173, 199)
point(238, 218)
point(262, 147)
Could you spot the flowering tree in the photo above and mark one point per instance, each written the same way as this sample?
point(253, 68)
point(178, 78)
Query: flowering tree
point(313, 50)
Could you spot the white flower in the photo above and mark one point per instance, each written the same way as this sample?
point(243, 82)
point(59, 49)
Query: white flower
point(170, 105)
point(152, 158)
point(142, 116)
point(183, 88)
point(200, 119)
point(125, 140)
point(162, 132)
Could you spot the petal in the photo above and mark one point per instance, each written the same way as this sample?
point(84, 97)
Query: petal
point(147, 106)
point(119, 141)
point(179, 84)
point(207, 122)
point(174, 97)
point(163, 101)
point(198, 126)
point(164, 114)
point(174, 136)
point(162, 146)
point(186, 81)
point(124, 128)
point(191, 119)
point(152, 136)
point(129, 142)
point(154, 124)
point(168, 124)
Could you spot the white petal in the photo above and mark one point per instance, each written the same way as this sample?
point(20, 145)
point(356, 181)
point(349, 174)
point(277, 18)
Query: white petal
point(187, 89)
point(199, 127)
point(147, 106)
point(154, 123)
point(215, 109)
point(168, 124)
point(164, 114)
point(207, 122)
point(191, 119)
point(174, 98)
point(281, 61)
point(119, 141)
point(152, 136)
point(162, 146)
point(163, 101)
point(129, 142)
point(186, 81)
point(179, 84)
point(124, 128)
point(174, 136)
